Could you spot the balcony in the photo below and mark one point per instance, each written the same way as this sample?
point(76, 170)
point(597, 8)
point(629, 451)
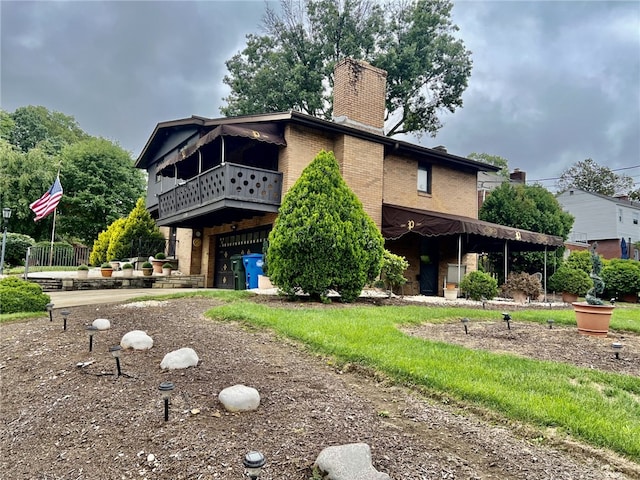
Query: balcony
point(218, 193)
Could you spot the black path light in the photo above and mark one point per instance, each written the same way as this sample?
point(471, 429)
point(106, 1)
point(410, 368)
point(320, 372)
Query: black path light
point(166, 388)
point(507, 318)
point(50, 310)
point(465, 322)
point(253, 463)
point(550, 322)
point(115, 353)
point(65, 314)
point(617, 348)
point(91, 330)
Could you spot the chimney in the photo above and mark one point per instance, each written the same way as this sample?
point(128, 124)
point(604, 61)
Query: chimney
point(518, 176)
point(359, 93)
point(440, 148)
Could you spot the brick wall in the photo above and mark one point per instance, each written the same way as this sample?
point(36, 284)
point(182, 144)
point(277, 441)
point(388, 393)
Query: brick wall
point(359, 93)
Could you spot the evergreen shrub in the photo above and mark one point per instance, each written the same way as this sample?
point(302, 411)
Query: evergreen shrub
point(477, 285)
point(17, 295)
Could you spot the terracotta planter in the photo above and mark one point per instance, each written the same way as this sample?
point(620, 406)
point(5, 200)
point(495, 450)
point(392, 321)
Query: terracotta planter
point(147, 272)
point(569, 297)
point(451, 286)
point(593, 319)
point(157, 265)
point(519, 296)
point(264, 283)
point(106, 272)
point(630, 298)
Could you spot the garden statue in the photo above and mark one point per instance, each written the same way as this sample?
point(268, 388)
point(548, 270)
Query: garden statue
point(598, 284)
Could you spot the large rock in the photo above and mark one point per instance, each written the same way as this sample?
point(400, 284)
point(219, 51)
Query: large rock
point(239, 398)
point(136, 339)
point(182, 358)
point(102, 324)
point(348, 462)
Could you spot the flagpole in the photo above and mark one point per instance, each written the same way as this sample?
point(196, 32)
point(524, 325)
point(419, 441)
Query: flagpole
point(53, 234)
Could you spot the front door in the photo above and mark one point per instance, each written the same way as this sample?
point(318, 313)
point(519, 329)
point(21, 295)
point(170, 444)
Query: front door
point(237, 243)
point(428, 266)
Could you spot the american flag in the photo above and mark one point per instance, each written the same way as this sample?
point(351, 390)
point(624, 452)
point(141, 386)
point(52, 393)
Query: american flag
point(48, 202)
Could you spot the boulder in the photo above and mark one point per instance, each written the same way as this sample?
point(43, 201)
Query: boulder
point(239, 398)
point(102, 324)
point(136, 339)
point(348, 462)
point(181, 358)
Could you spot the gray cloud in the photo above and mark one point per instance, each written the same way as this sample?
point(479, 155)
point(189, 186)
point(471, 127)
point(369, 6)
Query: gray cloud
point(553, 83)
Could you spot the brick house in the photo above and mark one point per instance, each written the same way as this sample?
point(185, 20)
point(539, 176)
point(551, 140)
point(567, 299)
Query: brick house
point(215, 185)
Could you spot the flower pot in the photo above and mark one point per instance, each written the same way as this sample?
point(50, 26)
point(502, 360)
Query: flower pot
point(166, 271)
point(115, 264)
point(451, 293)
point(83, 274)
point(147, 272)
point(157, 265)
point(593, 319)
point(630, 298)
point(569, 297)
point(127, 272)
point(451, 286)
point(106, 272)
point(264, 283)
point(519, 296)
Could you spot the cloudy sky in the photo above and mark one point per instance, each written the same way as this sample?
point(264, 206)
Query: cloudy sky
point(553, 82)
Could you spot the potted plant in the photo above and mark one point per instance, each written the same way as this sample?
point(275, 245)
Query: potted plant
point(521, 285)
point(106, 269)
point(147, 269)
point(593, 316)
point(83, 271)
point(127, 270)
point(158, 260)
point(572, 282)
point(115, 264)
point(166, 268)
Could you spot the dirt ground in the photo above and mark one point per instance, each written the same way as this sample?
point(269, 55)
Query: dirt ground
point(61, 421)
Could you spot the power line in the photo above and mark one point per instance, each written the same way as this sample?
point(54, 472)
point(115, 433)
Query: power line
point(612, 169)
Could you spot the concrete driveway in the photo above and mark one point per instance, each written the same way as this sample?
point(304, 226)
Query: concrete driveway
point(75, 298)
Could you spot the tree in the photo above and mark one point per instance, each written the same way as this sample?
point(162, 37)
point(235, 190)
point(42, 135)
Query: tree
point(33, 125)
point(100, 185)
point(591, 177)
point(291, 66)
point(529, 207)
point(138, 225)
point(495, 160)
point(322, 238)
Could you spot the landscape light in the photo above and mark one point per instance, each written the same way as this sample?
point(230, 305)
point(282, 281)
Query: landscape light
point(617, 348)
point(465, 322)
point(91, 330)
point(115, 353)
point(166, 388)
point(50, 310)
point(65, 314)
point(507, 318)
point(253, 463)
point(550, 323)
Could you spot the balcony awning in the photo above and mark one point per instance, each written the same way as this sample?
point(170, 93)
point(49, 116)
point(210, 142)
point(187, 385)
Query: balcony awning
point(480, 236)
point(260, 132)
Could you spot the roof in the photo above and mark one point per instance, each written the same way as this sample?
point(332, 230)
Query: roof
point(392, 145)
point(480, 236)
point(617, 200)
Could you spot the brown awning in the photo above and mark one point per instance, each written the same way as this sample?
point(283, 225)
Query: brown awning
point(261, 132)
point(480, 236)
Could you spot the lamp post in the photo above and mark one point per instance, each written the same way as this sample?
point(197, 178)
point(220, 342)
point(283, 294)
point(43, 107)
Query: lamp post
point(253, 463)
point(6, 215)
point(617, 348)
point(465, 322)
point(550, 322)
point(507, 318)
point(91, 330)
point(166, 388)
point(50, 310)
point(65, 314)
point(115, 353)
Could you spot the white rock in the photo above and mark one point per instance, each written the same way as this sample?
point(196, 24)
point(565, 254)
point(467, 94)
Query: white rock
point(102, 324)
point(136, 339)
point(151, 458)
point(182, 358)
point(239, 398)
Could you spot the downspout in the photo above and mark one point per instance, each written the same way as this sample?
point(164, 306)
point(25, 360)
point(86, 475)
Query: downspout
point(505, 260)
point(199, 162)
point(545, 273)
point(221, 150)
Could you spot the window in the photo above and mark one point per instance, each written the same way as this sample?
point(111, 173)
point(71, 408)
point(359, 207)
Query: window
point(424, 178)
point(620, 215)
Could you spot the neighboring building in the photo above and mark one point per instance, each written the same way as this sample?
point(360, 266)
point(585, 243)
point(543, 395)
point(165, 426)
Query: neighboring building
point(602, 219)
point(489, 181)
point(216, 185)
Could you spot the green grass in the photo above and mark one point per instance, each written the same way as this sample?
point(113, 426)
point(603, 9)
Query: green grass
point(600, 408)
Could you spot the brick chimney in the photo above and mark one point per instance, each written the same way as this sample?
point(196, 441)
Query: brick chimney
point(518, 176)
point(359, 93)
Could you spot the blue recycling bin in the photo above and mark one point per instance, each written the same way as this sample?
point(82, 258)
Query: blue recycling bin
point(253, 267)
